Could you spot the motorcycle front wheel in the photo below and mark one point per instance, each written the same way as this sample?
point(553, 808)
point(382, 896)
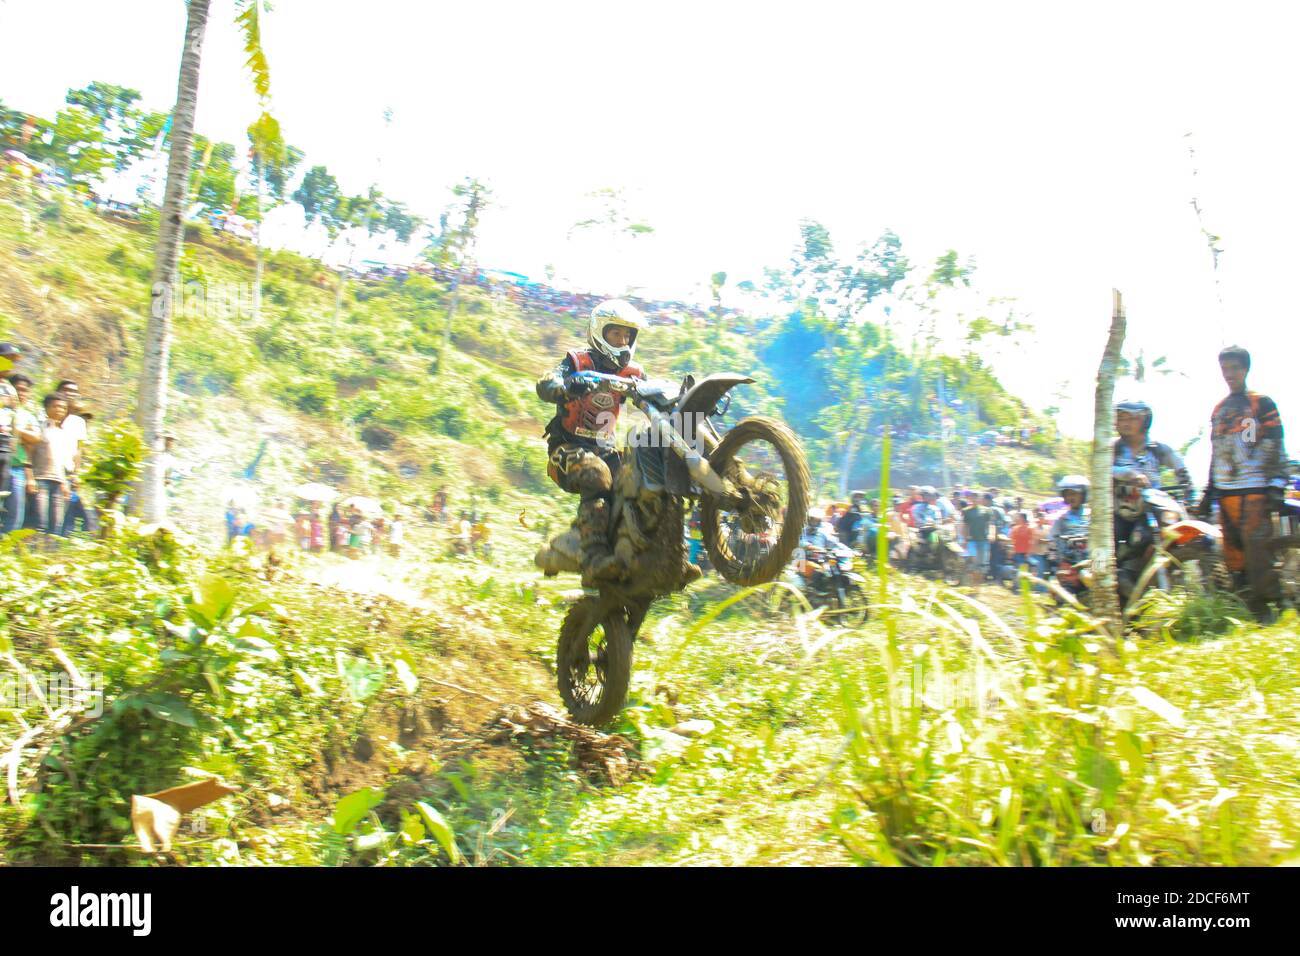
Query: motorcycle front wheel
point(763, 460)
point(851, 608)
point(593, 662)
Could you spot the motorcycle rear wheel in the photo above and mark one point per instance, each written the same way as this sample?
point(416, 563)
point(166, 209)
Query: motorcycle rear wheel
point(724, 460)
point(593, 661)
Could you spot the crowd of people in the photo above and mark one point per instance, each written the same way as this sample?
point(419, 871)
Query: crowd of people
point(1246, 496)
point(997, 534)
point(347, 528)
point(42, 450)
point(470, 530)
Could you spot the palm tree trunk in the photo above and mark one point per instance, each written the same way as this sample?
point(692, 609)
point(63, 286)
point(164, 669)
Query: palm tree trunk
point(151, 407)
point(1101, 532)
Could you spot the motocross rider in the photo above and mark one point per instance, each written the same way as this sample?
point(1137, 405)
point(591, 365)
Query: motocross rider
point(1138, 462)
point(1134, 451)
point(1074, 522)
point(580, 438)
point(817, 532)
point(855, 521)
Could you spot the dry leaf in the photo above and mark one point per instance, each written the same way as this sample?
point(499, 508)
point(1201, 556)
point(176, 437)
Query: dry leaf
point(152, 819)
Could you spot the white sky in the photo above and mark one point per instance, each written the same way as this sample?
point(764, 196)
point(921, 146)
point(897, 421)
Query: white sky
point(1046, 140)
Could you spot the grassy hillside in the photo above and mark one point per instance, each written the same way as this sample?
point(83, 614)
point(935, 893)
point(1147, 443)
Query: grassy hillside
point(370, 401)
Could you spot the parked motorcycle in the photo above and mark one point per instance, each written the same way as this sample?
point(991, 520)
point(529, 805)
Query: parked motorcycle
point(746, 480)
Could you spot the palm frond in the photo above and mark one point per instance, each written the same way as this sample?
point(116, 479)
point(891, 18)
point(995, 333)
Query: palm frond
point(248, 18)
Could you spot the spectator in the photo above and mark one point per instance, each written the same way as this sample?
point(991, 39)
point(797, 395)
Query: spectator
point(1022, 542)
point(25, 432)
point(76, 426)
point(53, 459)
point(335, 522)
point(1000, 528)
point(976, 521)
point(1042, 538)
point(315, 530)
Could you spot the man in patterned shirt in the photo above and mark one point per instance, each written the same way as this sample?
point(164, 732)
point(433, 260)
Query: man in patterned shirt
point(1248, 473)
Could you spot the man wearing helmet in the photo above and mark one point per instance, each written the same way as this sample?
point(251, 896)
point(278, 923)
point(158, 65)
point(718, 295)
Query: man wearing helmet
point(817, 532)
point(1072, 523)
point(1134, 451)
point(580, 438)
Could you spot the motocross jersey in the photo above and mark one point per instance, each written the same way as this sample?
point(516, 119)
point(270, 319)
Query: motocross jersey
point(1247, 451)
point(1153, 457)
point(586, 419)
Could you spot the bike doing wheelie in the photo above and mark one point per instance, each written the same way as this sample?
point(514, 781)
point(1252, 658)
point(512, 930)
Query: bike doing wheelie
point(747, 480)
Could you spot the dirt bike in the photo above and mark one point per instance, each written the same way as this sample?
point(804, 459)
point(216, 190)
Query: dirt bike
point(828, 580)
point(749, 478)
point(1165, 549)
point(935, 551)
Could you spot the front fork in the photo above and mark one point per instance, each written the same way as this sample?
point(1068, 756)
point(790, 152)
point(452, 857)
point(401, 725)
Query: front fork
point(719, 488)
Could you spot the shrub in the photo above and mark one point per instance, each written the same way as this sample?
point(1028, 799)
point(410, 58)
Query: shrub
point(500, 396)
point(452, 421)
point(128, 263)
point(308, 395)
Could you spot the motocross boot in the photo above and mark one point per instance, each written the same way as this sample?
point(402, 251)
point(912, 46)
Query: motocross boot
point(598, 560)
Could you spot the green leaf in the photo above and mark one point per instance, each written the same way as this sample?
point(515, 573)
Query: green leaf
point(353, 808)
point(361, 678)
point(440, 829)
point(412, 829)
point(306, 683)
point(1130, 748)
point(212, 600)
point(171, 708)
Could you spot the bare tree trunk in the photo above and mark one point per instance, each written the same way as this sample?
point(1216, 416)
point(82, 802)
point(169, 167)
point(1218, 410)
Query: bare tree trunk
point(1101, 533)
point(451, 312)
point(850, 449)
point(257, 271)
point(151, 409)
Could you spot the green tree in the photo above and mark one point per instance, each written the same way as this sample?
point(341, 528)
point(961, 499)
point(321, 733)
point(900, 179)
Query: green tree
point(77, 148)
point(457, 251)
point(319, 195)
point(273, 162)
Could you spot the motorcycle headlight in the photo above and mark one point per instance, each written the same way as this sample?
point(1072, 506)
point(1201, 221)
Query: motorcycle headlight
point(1170, 517)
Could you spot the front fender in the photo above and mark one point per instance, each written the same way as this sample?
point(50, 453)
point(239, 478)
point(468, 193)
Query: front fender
point(704, 396)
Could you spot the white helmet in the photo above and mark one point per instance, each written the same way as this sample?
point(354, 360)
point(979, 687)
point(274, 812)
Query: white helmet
point(614, 312)
point(1078, 483)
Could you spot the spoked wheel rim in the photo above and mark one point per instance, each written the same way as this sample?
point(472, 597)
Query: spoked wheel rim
point(750, 538)
point(594, 660)
point(587, 667)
